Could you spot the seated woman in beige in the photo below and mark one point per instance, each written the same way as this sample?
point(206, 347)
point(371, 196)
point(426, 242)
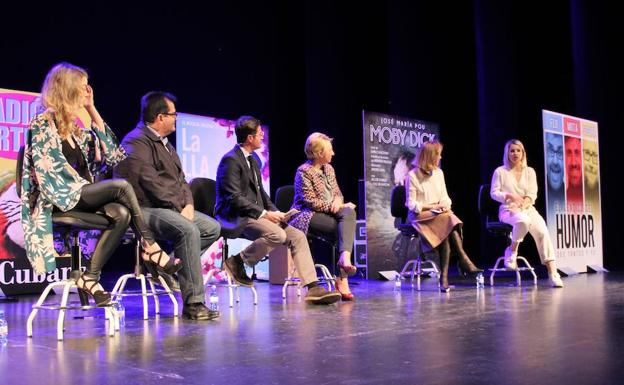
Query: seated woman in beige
point(430, 211)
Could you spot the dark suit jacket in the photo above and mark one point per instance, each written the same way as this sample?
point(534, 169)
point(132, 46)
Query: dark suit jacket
point(155, 173)
point(236, 190)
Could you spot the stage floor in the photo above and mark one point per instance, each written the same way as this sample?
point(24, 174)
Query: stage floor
point(505, 334)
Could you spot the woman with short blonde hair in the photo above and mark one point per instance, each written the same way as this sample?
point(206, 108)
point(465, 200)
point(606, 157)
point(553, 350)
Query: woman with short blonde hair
point(523, 160)
point(315, 144)
point(514, 185)
point(321, 206)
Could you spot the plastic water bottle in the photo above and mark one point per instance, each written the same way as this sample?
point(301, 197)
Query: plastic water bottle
point(4, 330)
point(480, 281)
point(213, 303)
point(120, 312)
point(397, 282)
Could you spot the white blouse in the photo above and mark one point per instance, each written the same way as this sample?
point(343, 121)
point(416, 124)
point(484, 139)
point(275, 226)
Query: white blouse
point(504, 181)
point(425, 190)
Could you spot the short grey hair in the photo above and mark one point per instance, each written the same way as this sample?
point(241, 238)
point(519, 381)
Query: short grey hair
point(314, 144)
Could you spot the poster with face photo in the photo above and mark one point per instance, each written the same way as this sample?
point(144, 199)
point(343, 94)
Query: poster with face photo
point(391, 144)
point(572, 172)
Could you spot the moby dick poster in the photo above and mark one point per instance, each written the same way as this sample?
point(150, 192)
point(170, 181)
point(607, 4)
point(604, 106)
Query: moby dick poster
point(572, 171)
point(391, 143)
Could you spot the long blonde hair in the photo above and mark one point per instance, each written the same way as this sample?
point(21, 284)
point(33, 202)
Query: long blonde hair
point(61, 96)
point(523, 161)
point(427, 155)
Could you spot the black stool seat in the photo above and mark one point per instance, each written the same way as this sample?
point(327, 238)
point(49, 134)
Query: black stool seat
point(231, 230)
point(81, 220)
point(499, 228)
point(407, 229)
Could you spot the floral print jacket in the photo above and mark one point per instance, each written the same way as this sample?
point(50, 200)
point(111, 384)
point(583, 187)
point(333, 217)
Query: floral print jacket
point(310, 195)
point(48, 180)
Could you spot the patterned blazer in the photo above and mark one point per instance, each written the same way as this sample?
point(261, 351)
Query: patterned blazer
point(48, 180)
point(310, 193)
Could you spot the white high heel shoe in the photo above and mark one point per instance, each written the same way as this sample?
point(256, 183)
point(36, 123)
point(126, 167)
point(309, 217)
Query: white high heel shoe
point(555, 280)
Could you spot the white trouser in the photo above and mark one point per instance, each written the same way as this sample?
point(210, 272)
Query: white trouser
point(530, 221)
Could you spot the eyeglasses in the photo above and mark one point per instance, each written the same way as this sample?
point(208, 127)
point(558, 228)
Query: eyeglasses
point(555, 154)
point(590, 156)
point(174, 114)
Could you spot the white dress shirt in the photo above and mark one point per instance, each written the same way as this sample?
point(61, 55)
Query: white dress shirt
point(423, 190)
point(504, 182)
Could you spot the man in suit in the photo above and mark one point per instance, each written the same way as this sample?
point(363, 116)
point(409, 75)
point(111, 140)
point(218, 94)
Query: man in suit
point(155, 172)
point(243, 204)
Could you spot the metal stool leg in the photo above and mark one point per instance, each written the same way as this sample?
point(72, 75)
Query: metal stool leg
point(327, 276)
point(35, 310)
point(61, 317)
point(230, 289)
point(415, 270)
point(255, 295)
point(156, 300)
point(113, 321)
point(290, 280)
point(144, 296)
point(172, 297)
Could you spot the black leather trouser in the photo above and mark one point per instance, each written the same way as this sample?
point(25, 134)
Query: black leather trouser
point(116, 199)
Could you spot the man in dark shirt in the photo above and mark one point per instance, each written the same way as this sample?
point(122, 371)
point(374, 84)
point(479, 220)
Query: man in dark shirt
point(154, 170)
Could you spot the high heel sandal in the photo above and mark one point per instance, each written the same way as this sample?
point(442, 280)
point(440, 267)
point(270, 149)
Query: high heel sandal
point(348, 270)
point(101, 297)
point(444, 286)
point(345, 296)
point(464, 268)
point(155, 257)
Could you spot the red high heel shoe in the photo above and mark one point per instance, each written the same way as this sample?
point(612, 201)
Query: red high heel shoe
point(345, 296)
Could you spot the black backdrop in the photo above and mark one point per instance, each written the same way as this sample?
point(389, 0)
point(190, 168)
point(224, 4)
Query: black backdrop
point(481, 69)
